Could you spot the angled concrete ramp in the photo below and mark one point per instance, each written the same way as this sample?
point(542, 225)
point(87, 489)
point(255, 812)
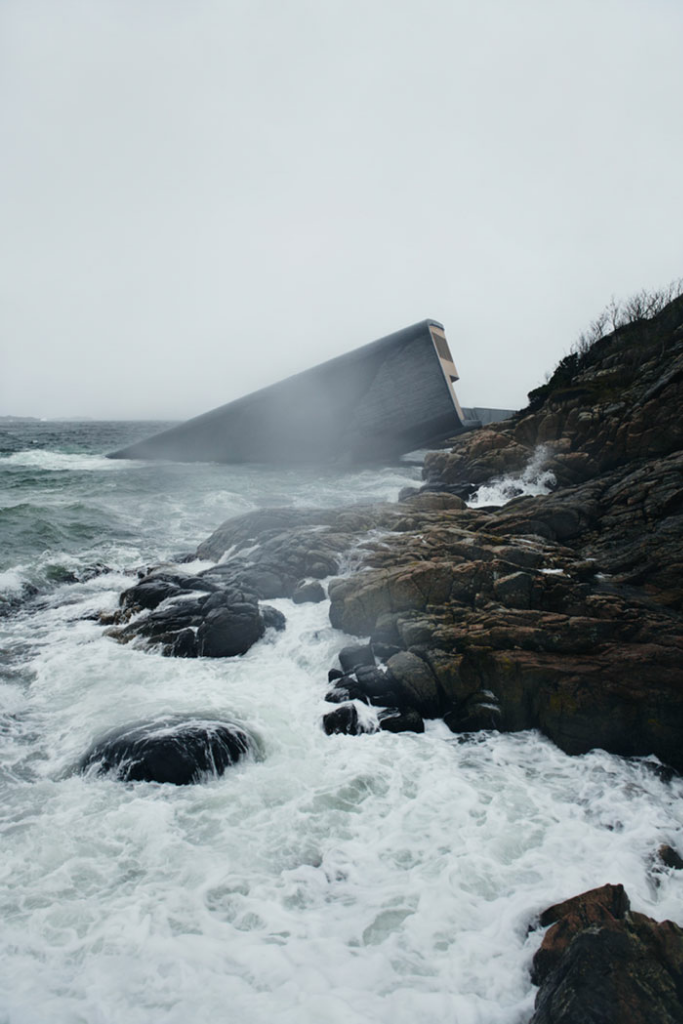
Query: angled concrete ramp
point(378, 401)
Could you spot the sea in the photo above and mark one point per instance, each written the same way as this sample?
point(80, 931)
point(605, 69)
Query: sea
point(328, 880)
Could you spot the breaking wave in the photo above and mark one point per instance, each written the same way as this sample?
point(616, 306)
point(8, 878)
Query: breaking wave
point(533, 480)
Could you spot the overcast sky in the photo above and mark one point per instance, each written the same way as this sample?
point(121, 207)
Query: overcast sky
point(200, 197)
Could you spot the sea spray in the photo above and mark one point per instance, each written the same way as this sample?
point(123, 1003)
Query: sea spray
point(534, 479)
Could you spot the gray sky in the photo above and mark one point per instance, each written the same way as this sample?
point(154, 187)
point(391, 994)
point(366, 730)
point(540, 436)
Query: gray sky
point(199, 197)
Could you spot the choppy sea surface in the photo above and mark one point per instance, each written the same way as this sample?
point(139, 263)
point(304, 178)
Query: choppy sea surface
point(337, 880)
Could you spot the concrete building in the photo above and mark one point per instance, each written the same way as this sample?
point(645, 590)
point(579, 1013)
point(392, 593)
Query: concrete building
point(376, 402)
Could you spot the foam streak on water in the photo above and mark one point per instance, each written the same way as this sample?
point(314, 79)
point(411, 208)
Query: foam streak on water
point(335, 879)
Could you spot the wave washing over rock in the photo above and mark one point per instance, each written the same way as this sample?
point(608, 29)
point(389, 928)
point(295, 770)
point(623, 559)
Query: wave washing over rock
point(458, 717)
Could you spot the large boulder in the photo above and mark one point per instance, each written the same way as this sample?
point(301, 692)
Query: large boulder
point(601, 963)
point(230, 629)
point(177, 752)
point(415, 681)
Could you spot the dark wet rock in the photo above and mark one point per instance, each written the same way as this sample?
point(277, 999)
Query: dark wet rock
point(230, 630)
point(193, 616)
point(384, 651)
point(476, 712)
point(161, 623)
point(229, 597)
point(601, 963)
point(416, 683)
point(334, 673)
point(288, 543)
point(664, 772)
point(367, 684)
point(379, 687)
point(184, 645)
point(177, 752)
point(273, 618)
point(351, 658)
point(150, 592)
point(669, 857)
point(395, 720)
point(197, 583)
point(312, 591)
point(341, 694)
point(344, 719)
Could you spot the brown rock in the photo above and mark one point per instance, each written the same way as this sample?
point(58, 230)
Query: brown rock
point(669, 857)
point(514, 590)
point(601, 964)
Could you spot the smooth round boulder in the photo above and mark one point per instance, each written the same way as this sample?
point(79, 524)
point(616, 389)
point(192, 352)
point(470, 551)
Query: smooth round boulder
point(179, 753)
point(356, 655)
point(416, 682)
point(308, 592)
point(228, 631)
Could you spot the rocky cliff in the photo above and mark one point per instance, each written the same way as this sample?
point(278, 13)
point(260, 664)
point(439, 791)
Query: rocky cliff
point(563, 609)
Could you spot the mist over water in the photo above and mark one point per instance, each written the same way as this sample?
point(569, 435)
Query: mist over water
point(378, 878)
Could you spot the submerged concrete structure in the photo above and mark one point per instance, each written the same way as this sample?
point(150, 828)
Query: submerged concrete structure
point(376, 402)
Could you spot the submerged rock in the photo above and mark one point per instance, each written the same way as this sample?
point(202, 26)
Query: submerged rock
point(395, 720)
point(168, 752)
point(601, 963)
point(344, 719)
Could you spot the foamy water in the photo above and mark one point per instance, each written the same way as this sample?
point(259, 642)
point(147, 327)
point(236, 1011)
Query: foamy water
point(377, 878)
point(533, 480)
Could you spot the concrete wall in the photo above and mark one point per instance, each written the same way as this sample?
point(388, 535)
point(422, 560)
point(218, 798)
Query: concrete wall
point(388, 397)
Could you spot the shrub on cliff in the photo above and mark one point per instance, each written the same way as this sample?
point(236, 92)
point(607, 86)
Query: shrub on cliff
point(619, 320)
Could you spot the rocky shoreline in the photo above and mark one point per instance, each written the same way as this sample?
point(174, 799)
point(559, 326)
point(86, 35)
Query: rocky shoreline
point(560, 612)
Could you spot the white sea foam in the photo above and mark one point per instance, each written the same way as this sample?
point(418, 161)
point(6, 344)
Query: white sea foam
point(12, 582)
point(533, 480)
point(44, 459)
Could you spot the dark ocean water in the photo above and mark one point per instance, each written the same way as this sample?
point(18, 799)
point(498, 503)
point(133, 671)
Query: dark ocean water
point(340, 879)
